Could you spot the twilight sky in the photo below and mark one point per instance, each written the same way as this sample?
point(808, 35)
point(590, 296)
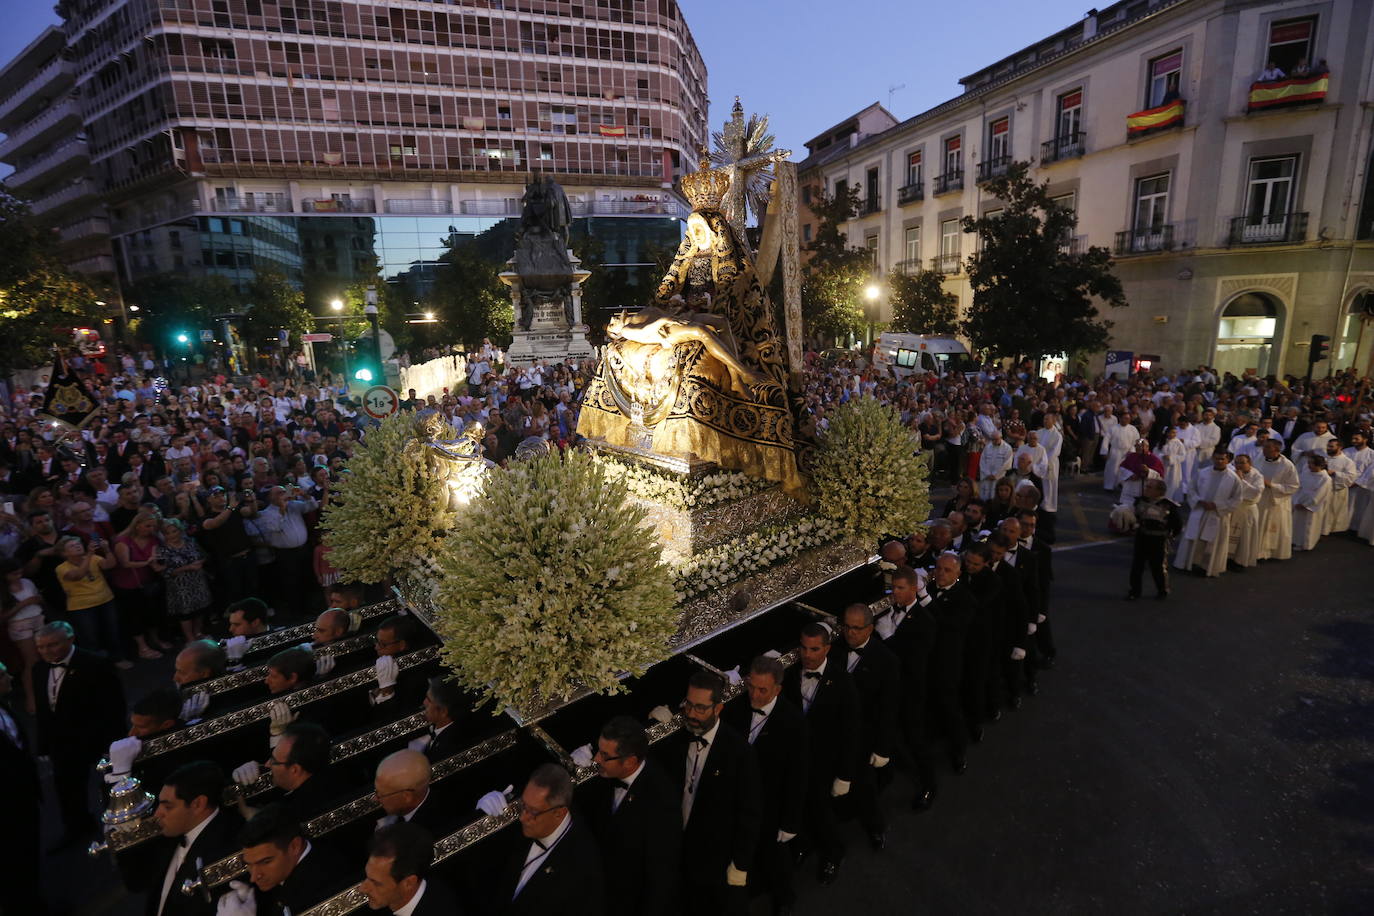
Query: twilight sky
point(807, 64)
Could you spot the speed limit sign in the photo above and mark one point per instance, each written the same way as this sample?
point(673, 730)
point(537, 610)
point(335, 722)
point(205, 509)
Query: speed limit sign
point(380, 402)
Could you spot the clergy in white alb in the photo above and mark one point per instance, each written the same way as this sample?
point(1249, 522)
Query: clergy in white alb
point(1276, 504)
point(1342, 472)
point(1122, 442)
point(1309, 503)
point(1176, 458)
point(1245, 520)
point(1052, 440)
point(994, 462)
point(1360, 493)
point(1208, 435)
point(1207, 535)
point(1314, 440)
point(1188, 435)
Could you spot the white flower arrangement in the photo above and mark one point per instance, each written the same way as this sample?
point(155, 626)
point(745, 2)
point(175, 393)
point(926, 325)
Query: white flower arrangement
point(551, 582)
point(387, 515)
point(867, 476)
point(669, 490)
point(718, 567)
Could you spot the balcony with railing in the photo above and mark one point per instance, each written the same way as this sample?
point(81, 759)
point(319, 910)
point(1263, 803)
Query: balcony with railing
point(1067, 146)
point(63, 116)
point(45, 80)
point(1268, 229)
point(992, 168)
point(909, 267)
point(949, 182)
point(420, 207)
point(948, 264)
point(1297, 90)
point(50, 163)
point(93, 227)
point(870, 205)
point(1073, 244)
point(912, 192)
point(73, 193)
point(253, 204)
point(337, 205)
point(1145, 241)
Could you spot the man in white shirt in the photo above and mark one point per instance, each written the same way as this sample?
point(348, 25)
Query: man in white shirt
point(396, 877)
point(1363, 456)
point(1208, 435)
point(1314, 440)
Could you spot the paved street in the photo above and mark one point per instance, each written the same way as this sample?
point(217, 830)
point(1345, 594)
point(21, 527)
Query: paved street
point(1208, 754)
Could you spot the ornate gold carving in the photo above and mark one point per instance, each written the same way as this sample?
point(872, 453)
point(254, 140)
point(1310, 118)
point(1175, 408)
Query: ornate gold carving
point(706, 187)
point(305, 632)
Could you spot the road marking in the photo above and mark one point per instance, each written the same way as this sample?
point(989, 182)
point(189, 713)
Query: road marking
point(1097, 543)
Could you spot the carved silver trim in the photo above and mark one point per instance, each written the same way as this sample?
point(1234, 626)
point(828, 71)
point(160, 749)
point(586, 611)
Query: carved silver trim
point(236, 679)
point(237, 719)
point(303, 632)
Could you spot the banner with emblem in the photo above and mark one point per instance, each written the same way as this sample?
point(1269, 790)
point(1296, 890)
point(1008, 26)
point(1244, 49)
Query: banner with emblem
point(66, 398)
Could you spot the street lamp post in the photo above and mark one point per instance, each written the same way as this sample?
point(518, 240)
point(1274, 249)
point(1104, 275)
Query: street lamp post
point(871, 293)
point(337, 305)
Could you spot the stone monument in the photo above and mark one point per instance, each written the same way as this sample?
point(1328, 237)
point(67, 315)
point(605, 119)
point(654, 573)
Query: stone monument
point(545, 281)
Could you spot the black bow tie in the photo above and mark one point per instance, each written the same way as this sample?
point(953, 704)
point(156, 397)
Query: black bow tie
point(620, 784)
point(59, 664)
point(758, 712)
point(699, 739)
point(183, 841)
point(815, 674)
point(857, 650)
point(540, 844)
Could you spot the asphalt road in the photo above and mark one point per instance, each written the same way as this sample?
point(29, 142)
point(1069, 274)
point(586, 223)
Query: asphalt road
point(1206, 754)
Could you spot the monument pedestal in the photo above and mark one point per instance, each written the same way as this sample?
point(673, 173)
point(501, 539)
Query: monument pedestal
point(551, 336)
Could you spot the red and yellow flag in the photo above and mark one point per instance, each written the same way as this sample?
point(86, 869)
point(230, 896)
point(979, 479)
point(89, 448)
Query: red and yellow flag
point(608, 130)
point(1285, 92)
point(1165, 115)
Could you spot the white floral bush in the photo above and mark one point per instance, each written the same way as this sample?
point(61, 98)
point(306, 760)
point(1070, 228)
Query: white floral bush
point(387, 515)
point(646, 483)
point(718, 567)
point(867, 476)
point(552, 582)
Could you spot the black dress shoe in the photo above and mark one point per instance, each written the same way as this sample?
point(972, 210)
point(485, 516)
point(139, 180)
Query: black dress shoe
point(1015, 702)
point(959, 762)
point(828, 871)
point(923, 801)
point(997, 715)
point(877, 840)
point(1162, 595)
point(976, 735)
point(1131, 596)
point(1047, 663)
point(1033, 689)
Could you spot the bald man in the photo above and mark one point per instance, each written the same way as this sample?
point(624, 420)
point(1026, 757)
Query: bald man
point(402, 789)
point(331, 626)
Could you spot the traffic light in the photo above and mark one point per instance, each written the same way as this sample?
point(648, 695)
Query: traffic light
point(363, 374)
point(1320, 348)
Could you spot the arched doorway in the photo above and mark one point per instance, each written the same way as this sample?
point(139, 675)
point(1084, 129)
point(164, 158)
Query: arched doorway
point(1248, 334)
point(1357, 333)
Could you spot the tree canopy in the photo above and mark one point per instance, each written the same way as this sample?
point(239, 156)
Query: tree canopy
point(1033, 295)
point(836, 274)
point(921, 305)
point(467, 295)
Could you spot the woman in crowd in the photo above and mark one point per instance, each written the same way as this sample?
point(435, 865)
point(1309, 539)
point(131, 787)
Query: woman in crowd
point(181, 563)
point(964, 491)
point(90, 602)
point(21, 609)
point(138, 591)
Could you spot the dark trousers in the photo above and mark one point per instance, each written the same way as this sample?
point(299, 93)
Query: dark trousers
point(773, 868)
point(714, 896)
point(956, 456)
point(19, 867)
point(292, 574)
point(950, 709)
point(97, 629)
point(866, 801)
point(1044, 639)
point(977, 694)
point(912, 754)
point(238, 578)
point(821, 829)
point(71, 779)
point(1150, 553)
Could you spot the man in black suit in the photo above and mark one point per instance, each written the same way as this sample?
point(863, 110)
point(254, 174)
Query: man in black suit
point(982, 658)
point(286, 872)
point(80, 710)
point(877, 677)
point(19, 867)
point(1026, 563)
point(952, 605)
point(777, 731)
point(195, 831)
point(1043, 555)
point(1012, 637)
point(909, 631)
point(299, 765)
point(397, 877)
point(822, 688)
point(402, 788)
point(445, 704)
point(633, 812)
point(558, 872)
point(717, 781)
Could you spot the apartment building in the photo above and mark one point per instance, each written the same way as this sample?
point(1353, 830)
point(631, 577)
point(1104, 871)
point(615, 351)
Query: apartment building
point(333, 139)
point(1222, 150)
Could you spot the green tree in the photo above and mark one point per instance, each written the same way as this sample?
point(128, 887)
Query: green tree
point(921, 305)
point(171, 304)
point(40, 300)
point(275, 305)
point(608, 289)
point(469, 298)
point(833, 285)
point(1032, 295)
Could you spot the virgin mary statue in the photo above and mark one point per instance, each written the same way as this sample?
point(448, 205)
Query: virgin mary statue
point(702, 372)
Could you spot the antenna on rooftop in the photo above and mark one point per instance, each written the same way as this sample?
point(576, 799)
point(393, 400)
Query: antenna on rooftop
point(891, 90)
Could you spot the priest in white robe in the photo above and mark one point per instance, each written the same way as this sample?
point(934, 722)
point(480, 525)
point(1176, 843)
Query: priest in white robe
point(1036, 451)
point(1342, 472)
point(1360, 493)
point(1309, 503)
point(1207, 535)
point(994, 462)
point(1208, 435)
point(1276, 504)
point(1188, 435)
point(1052, 440)
point(1122, 442)
point(1245, 520)
point(1365, 531)
point(1314, 440)
point(1176, 457)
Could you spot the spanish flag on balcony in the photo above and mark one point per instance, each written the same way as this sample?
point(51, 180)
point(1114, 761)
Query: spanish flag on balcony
point(1166, 115)
point(609, 130)
point(1289, 91)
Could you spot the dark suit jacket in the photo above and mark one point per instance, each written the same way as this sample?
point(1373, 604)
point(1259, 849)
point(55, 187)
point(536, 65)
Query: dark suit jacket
point(318, 876)
point(567, 883)
point(912, 643)
point(218, 840)
point(438, 900)
point(833, 722)
point(782, 749)
point(953, 610)
point(89, 712)
point(724, 824)
point(447, 743)
point(1013, 601)
point(878, 680)
point(641, 840)
point(1044, 570)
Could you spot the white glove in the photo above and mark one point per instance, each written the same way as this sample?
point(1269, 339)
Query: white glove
point(733, 677)
point(772, 653)
point(122, 755)
point(1017, 654)
point(1030, 629)
point(420, 744)
point(921, 576)
point(1039, 618)
point(886, 566)
point(323, 665)
point(194, 705)
point(734, 877)
point(661, 714)
point(238, 901)
point(839, 788)
point(884, 627)
point(582, 756)
point(247, 774)
point(877, 761)
point(386, 669)
point(355, 620)
point(236, 647)
point(279, 716)
point(493, 803)
point(785, 837)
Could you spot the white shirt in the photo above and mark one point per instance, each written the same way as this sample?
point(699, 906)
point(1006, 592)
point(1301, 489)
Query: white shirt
point(414, 900)
point(696, 762)
point(179, 857)
point(618, 795)
point(854, 655)
point(758, 717)
point(539, 851)
point(56, 675)
point(809, 685)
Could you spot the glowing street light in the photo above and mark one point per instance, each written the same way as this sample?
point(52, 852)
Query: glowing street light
point(337, 305)
point(871, 292)
point(182, 338)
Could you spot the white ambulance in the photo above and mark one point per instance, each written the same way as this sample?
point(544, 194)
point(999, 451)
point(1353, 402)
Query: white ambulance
point(905, 355)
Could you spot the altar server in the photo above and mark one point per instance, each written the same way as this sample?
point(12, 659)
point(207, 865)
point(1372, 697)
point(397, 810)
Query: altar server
point(1276, 503)
point(1309, 503)
point(1207, 536)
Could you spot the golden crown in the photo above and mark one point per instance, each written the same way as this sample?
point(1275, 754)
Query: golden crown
point(706, 187)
